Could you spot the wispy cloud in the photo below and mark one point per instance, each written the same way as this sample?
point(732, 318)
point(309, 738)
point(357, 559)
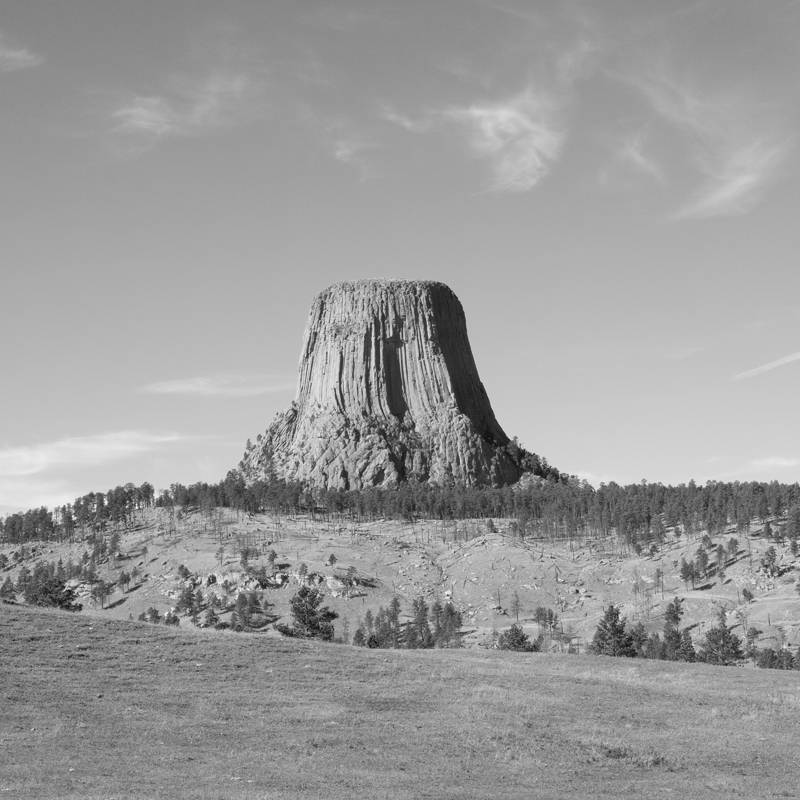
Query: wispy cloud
point(220, 386)
point(768, 367)
point(189, 109)
point(20, 494)
point(736, 179)
point(774, 462)
point(420, 124)
point(684, 353)
point(521, 137)
point(79, 451)
point(576, 60)
point(13, 57)
point(736, 151)
point(353, 150)
point(632, 153)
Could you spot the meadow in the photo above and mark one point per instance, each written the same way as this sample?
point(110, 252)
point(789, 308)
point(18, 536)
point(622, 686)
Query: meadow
point(100, 708)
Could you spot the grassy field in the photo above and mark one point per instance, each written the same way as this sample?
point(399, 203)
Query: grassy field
point(96, 708)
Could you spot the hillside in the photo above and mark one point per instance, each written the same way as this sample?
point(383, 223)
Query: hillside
point(108, 709)
point(492, 576)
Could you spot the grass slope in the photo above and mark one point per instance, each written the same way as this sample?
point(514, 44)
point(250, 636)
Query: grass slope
point(95, 708)
point(483, 572)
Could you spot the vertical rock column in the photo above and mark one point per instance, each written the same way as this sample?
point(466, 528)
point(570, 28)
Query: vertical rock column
point(388, 391)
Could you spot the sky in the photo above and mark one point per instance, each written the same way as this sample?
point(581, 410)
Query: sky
point(611, 189)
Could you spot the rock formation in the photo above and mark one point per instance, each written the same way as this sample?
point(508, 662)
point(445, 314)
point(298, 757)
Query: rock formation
point(388, 391)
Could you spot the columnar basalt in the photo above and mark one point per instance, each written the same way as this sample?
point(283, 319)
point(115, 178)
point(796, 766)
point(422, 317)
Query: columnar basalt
point(388, 391)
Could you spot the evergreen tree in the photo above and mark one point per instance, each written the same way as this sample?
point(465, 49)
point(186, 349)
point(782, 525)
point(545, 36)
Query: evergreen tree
point(23, 578)
point(185, 600)
point(211, 618)
point(654, 648)
point(242, 610)
point(671, 646)
point(751, 643)
point(639, 639)
point(687, 573)
point(611, 638)
point(769, 562)
point(686, 650)
point(418, 632)
point(720, 557)
point(701, 562)
point(515, 638)
point(312, 620)
point(49, 591)
point(101, 590)
point(394, 620)
point(7, 591)
point(720, 645)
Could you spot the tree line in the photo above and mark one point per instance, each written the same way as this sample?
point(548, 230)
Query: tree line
point(438, 625)
point(638, 515)
point(720, 646)
point(95, 511)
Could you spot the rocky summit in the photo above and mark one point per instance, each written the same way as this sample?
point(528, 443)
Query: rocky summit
point(387, 392)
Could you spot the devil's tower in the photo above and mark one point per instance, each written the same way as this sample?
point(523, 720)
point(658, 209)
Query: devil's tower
point(388, 391)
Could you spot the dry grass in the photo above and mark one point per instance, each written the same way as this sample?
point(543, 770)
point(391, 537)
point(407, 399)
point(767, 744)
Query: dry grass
point(102, 709)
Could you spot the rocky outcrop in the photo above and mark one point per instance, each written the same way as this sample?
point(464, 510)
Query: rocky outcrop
point(388, 391)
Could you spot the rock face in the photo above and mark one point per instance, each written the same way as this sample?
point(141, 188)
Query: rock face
point(388, 391)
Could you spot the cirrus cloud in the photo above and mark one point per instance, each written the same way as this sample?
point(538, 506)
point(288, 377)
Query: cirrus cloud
point(79, 451)
point(220, 385)
point(734, 147)
point(521, 137)
point(190, 108)
point(768, 367)
point(14, 57)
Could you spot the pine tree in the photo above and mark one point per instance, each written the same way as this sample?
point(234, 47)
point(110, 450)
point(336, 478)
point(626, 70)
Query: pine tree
point(672, 637)
point(515, 638)
point(185, 600)
point(701, 562)
point(312, 620)
point(211, 618)
point(687, 573)
point(611, 638)
point(7, 591)
point(419, 633)
point(639, 639)
point(686, 650)
point(751, 643)
point(23, 578)
point(769, 562)
point(721, 646)
point(654, 648)
point(49, 591)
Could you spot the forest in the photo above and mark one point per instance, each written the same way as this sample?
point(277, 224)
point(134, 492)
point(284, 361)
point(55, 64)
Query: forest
point(638, 515)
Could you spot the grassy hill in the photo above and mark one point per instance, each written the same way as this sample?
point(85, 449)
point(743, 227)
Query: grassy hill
point(95, 708)
point(492, 576)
